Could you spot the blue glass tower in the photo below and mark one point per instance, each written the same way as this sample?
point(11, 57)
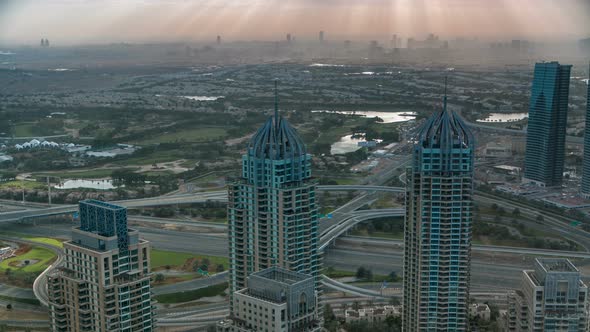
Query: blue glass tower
point(106, 220)
point(437, 236)
point(545, 144)
point(273, 217)
point(586, 171)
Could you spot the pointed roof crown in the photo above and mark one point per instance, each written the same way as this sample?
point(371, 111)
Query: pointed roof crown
point(445, 130)
point(276, 139)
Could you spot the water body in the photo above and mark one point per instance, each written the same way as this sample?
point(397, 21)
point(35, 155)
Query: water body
point(387, 117)
point(6, 53)
point(504, 117)
point(5, 157)
point(90, 184)
point(325, 65)
point(203, 98)
point(346, 144)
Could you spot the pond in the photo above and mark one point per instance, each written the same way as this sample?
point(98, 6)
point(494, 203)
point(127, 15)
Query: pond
point(346, 144)
point(203, 98)
point(504, 117)
point(387, 117)
point(90, 184)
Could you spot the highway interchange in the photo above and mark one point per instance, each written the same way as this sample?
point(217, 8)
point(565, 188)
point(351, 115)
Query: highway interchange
point(348, 253)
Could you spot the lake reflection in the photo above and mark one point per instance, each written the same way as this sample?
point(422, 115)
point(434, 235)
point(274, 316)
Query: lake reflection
point(504, 117)
point(346, 144)
point(90, 184)
point(387, 117)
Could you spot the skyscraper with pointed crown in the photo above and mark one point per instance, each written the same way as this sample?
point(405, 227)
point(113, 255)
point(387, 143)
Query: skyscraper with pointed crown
point(439, 213)
point(272, 211)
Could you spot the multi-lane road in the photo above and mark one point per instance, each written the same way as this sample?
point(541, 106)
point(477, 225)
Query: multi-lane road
point(385, 257)
point(34, 212)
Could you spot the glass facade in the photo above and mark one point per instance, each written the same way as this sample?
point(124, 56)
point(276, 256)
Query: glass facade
point(105, 219)
point(272, 211)
point(545, 145)
point(586, 172)
point(439, 213)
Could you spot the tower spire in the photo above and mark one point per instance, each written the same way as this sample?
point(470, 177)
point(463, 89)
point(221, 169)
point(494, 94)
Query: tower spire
point(445, 97)
point(276, 102)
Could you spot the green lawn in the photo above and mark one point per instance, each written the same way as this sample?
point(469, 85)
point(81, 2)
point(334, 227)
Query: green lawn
point(46, 240)
point(162, 258)
point(19, 300)
point(159, 156)
point(21, 184)
point(172, 279)
point(329, 272)
point(196, 135)
point(81, 174)
point(193, 294)
point(44, 257)
point(23, 130)
point(382, 235)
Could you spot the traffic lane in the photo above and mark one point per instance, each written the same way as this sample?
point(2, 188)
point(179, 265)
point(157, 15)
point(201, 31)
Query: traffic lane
point(482, 273)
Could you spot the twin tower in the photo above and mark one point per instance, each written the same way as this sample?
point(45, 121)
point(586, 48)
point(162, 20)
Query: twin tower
point(273, 218)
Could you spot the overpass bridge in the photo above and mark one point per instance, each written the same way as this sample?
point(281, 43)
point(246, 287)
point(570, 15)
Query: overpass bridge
point(571, 140)
point(356, 217)
point(200, 197)
point(361, 188)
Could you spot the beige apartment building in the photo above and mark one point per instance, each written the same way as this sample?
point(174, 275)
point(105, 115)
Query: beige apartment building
point(104, 283)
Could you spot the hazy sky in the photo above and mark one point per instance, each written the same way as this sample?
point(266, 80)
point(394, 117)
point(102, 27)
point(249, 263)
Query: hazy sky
point(92, 21)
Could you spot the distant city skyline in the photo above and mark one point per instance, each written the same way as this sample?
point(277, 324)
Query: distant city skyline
point(92, 21)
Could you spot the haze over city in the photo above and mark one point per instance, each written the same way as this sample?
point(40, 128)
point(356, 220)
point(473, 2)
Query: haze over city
point(93, 21)
point(295, 165)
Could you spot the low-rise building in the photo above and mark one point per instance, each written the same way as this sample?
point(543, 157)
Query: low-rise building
point(498, 150)
point(480, 310)
point(552, 298)
point(276, 300)
point(371, 315)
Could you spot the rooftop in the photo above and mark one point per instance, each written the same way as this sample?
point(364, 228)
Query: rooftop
point(557, 265)
point(281, 275)
point(102, 204)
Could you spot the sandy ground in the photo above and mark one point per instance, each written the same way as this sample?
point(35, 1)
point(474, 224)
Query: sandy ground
point(19, 314)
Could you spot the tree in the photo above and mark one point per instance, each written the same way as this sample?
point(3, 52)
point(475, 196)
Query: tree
point(205, 261)
point(516, 212)
point(160, 277)
point(356, 305)
point(393, 276)
point(360, 272)
point(9, 306)
point(220, 268)
point(331, 326)
point(369, 275)
point(494, 206)
point(393, 322)
point(328, 313)
point(540, 218)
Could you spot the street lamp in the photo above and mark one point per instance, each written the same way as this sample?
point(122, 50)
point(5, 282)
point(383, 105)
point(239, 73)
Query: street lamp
point(49, 187)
